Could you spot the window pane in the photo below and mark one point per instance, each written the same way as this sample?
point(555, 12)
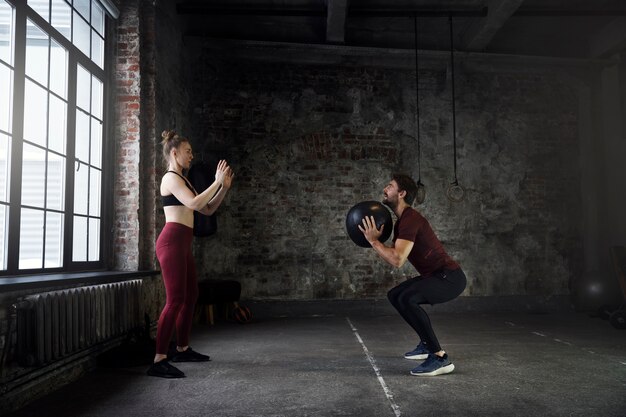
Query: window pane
point(44, 140)
point(3, 236)
point(80, 34)
point(33, 176)
point(6, 33)
point(79, 250)
point(37, 44)
point(31, 239)
point(82, 6)
point(5, 181)
point(35, 113)
point(94, 192)
point(42, 7)
point(96, 97)
point(6, 98)
point(97, 18)
point(82, 136)
point(58, 69)
point(81, 193)
point(54, 240)
point(94, 239)
point(62, 17)
point(56, 182)
point(83, 88)
point(96, 143)
point(97, 49)
point(57, 131)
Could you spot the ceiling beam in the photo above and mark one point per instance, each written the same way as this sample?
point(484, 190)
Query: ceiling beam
point(202, 8)
point(336, 21)
point(480, 33)
point(568, 13)
point(342, 55)
point(371, 12)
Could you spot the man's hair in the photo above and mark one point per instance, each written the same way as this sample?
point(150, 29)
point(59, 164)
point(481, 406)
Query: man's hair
point(406, 183)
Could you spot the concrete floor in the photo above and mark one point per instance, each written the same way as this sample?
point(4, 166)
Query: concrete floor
point(507, 364)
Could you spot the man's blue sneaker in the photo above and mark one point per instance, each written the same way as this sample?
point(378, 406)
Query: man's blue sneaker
point(419, 353)
point(434, 365)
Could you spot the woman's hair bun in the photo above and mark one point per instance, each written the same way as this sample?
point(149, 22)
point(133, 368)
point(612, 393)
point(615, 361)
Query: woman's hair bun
point(168, 134)
point(170, 141)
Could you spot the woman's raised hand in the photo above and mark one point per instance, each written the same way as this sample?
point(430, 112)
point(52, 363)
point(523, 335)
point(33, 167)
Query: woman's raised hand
point(228, 178)
point(220, 172)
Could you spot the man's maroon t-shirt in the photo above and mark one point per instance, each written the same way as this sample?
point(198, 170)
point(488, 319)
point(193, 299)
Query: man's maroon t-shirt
point(428, 254)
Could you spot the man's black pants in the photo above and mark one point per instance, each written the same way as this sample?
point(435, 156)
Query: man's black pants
point(436, 288)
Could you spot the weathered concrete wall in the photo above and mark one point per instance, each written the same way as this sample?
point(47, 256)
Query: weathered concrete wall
point(309, 141)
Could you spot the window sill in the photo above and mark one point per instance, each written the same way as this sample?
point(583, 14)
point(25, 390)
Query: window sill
point(26, 282)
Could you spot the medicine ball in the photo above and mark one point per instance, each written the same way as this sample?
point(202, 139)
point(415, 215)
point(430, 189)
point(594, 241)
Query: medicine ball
point(365, 209)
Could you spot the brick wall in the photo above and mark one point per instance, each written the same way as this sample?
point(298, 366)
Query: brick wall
point(171, 93)
point(128, 110)
point(152, 97)
point(308, 142)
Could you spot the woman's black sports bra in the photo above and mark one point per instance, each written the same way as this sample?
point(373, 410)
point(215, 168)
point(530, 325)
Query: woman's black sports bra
point(171, 200)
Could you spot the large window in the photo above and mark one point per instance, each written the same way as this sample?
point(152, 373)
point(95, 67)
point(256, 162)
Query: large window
point(52, 120)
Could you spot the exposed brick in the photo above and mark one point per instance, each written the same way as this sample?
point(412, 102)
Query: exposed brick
point(300, 169)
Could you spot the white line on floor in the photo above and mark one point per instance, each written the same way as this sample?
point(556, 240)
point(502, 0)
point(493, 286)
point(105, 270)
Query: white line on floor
point(569, 344)
point(372, 362)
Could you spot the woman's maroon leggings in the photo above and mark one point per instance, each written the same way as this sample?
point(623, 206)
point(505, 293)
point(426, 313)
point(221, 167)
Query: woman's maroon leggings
point(173, 250)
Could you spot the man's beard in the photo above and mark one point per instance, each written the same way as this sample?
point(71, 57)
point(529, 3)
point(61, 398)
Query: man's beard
point(391, 204)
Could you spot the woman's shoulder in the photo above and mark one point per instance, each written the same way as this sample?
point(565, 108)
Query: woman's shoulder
point(172, 177)
point(173, 174)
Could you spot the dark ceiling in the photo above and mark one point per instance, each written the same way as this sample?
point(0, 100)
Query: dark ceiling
point(555, 28)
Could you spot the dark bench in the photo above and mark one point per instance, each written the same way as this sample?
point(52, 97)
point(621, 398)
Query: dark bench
point(216, 292)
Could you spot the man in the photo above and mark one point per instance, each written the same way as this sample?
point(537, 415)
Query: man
point(441, 278)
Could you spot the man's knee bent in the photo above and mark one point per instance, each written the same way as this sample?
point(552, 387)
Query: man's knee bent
point(416, 299)
point(392, 295)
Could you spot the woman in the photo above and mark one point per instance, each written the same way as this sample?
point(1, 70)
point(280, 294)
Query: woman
point(173, 249)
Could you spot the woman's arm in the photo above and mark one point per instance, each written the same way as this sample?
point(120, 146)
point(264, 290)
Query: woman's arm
point(215, 202)
point(176, 185)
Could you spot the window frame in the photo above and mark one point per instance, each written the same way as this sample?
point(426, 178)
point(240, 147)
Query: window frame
point(23, 12)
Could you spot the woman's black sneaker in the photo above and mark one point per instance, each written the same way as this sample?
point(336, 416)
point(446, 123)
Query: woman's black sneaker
point(163, 369)
point(190, 355)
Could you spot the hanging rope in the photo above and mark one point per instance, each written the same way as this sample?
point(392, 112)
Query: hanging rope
point(417, 108)
point(456, 181)
point(421, 190)
point(455, 192)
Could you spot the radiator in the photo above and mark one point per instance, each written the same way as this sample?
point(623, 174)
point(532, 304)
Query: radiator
point(56, 324)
